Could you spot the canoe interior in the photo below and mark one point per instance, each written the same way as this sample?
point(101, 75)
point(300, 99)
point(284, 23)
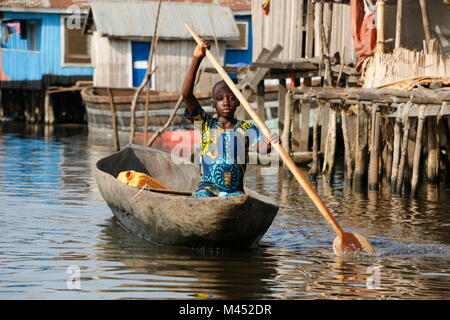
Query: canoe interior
point(168, 170)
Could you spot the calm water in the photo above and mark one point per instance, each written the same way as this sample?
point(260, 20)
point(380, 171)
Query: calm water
point(54, 223)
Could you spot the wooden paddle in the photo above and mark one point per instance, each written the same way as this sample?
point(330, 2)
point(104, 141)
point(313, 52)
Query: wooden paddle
point(345, 242)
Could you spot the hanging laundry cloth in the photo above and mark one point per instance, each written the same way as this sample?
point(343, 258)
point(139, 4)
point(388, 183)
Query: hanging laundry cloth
point(266, 6)
point(14, 27)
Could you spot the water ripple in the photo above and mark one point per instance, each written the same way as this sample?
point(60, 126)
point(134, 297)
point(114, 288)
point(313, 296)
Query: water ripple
point(52, 217)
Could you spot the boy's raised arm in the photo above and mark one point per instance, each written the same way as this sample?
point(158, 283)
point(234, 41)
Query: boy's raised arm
point(189, 80)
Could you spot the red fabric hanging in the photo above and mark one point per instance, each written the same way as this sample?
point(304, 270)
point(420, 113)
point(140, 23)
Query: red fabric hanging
point(364, 30)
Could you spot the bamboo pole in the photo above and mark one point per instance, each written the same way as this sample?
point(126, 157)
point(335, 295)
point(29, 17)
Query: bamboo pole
point(380, 26)
point(417, 151)
point(375, 149)
point(315, 147)
point(114, 120)
point(168, 122)
point(426, 24)
point(398, 24)
point(147, 98)
point(146, 79)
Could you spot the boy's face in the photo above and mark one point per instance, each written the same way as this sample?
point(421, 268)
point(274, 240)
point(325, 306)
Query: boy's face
point(224, 101)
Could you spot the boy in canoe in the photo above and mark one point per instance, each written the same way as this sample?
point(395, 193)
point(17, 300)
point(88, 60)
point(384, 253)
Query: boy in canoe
point(225, 141)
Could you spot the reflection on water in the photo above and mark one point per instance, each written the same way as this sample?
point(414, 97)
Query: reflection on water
point(52, 217)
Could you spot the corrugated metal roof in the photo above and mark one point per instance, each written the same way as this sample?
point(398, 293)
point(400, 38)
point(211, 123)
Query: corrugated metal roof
point(137, 19)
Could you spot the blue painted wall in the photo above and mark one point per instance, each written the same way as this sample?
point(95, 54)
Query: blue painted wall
point(234, 56)
point(21, 65)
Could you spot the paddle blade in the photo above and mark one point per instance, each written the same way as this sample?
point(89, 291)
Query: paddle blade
point(352, 243)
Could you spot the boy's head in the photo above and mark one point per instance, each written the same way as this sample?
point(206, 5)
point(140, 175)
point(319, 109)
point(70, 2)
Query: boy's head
point(224, 100)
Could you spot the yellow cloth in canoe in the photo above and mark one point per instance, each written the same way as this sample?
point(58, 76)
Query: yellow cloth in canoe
point(139, 179)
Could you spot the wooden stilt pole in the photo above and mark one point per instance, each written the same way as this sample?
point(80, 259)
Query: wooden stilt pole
point(375, 149)
point(396, 151)
point(404, 150)
point(328, 163)
point(114, 120)
point(444, 133)
point(417, 151)
point(48, 109)
point(388, 139)
point(304, 127)
point(347, 150)
point(315, 148)
point(432, 163)
point(281, 102)
point(260, 93)
point(295, 139)
point(285, 136)
point(360, 175)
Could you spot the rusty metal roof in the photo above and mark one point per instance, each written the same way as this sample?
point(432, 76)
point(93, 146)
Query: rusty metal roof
point(237, 5)
point(44, 4)
point(137, 19)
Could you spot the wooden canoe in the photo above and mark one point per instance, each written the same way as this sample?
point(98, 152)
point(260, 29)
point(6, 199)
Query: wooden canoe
point(239, 221)
point(161, 104)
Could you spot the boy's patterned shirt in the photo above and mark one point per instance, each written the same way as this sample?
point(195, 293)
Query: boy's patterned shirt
point(224, 153)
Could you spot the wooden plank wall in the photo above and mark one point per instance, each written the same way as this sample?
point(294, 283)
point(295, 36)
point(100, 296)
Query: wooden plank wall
point(283, 25)
point(341, 30)
point(173, 59)
point(287, 24)
point(111, 61)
